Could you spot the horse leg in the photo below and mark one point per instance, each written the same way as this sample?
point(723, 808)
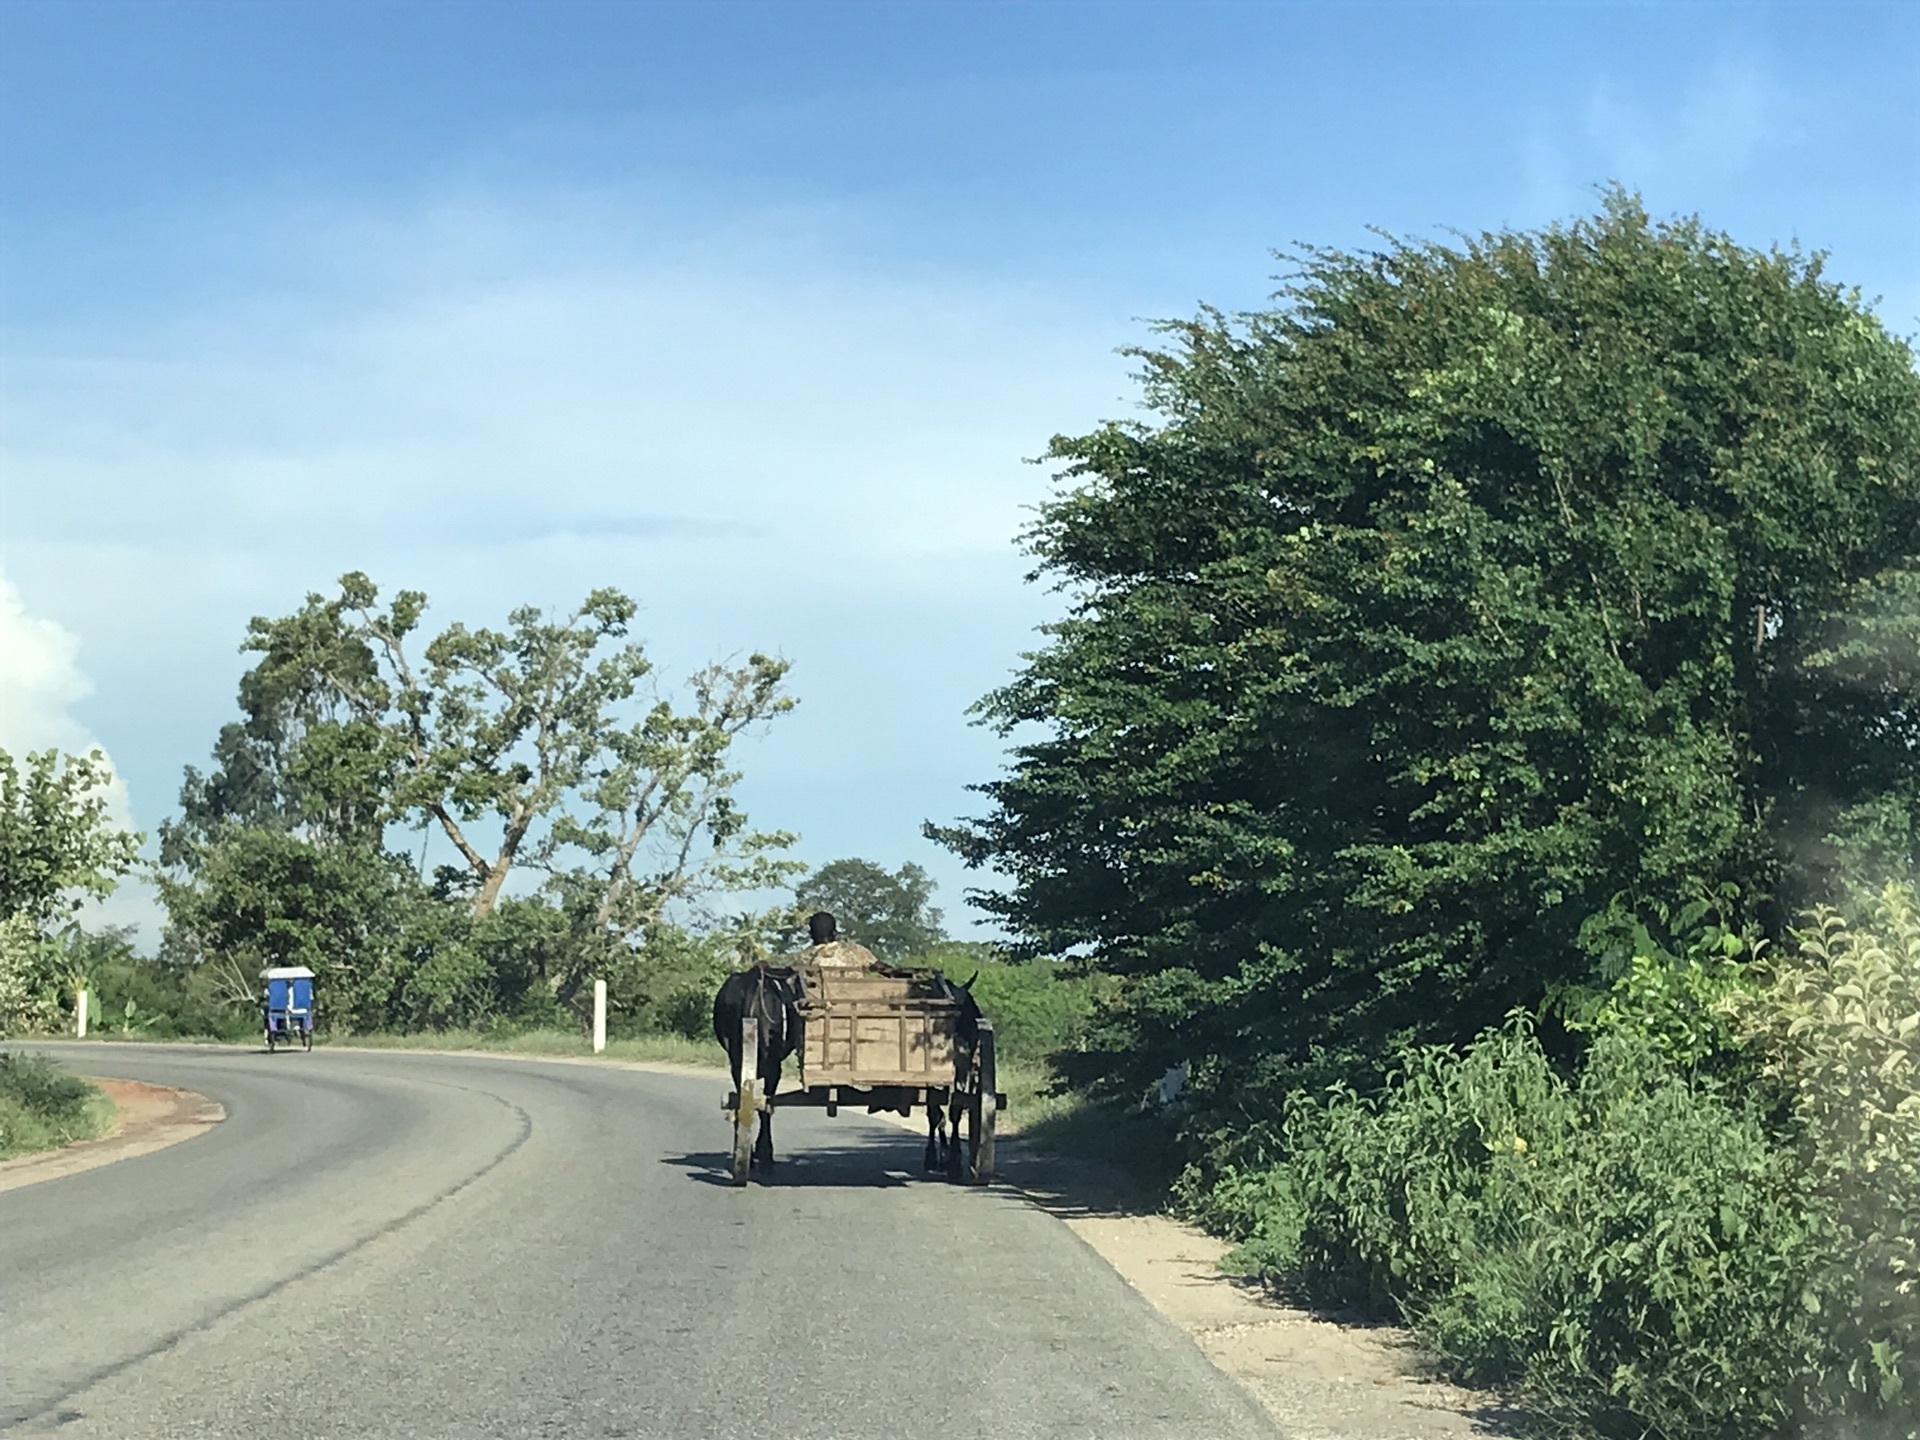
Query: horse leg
point(932, 1161)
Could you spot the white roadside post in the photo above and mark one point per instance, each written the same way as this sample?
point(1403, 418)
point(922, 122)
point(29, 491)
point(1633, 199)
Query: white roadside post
point(599, 1016)
point(80, 1015)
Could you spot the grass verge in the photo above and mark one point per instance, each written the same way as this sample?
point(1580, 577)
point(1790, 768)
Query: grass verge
point(43, 1106)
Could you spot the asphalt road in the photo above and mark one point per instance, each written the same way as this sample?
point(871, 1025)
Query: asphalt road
point(381, 1244)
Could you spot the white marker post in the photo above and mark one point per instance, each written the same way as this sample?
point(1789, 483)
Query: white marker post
point(80, 1015)
point(599, 1016)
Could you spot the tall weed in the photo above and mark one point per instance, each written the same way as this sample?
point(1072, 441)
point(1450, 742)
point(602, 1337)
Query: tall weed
point(1839, 1027)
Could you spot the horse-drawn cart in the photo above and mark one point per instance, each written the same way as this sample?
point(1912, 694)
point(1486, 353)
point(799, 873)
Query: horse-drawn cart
point(881, 1039)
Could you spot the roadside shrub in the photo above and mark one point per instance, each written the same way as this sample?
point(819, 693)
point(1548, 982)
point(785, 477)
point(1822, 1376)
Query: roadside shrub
point(1256, 1205)
point(156, 999)
point(1659, 1283)
point(1671, 970)
point(1839, 1027)
point(1629, 1248)
point(1399, 1192)
point(42, 1105)
point(666, 987)
point(1038, 1007)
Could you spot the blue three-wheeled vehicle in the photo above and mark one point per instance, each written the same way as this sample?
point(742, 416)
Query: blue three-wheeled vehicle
point(286, 1006)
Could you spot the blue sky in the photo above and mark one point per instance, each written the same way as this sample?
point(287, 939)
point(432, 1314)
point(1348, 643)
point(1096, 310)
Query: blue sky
point(753, 310)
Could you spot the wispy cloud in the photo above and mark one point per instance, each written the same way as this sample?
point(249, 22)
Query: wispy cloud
point(770, 448)
point(1717, 126)
point(1732, 116)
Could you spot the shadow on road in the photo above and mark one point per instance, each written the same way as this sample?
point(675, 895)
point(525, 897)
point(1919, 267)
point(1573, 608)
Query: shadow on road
point(883, 1162)
point(1075, 1189)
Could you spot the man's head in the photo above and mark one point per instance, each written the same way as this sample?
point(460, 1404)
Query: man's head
point(822, 928)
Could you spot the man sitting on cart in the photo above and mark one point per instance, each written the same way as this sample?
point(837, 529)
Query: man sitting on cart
point(829, 949)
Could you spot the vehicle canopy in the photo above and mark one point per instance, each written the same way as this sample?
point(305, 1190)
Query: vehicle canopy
point(289, 988)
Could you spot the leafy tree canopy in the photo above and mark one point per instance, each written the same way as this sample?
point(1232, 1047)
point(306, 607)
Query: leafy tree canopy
point(543, 746)
point(545, 734)
point(56, 844)
point(886, 911)
point(1469, 588)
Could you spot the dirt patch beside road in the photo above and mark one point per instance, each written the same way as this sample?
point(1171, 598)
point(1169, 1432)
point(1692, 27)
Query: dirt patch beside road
point(1319, 1377)
point(151, 1117)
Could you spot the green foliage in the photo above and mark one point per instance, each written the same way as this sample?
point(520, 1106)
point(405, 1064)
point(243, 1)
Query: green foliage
point(522, 729)
point(888, 912)
point(621, 800)
point(259, 897)
point(1039, 1007)
point(1674, 970)
point(42, 1105)
point(666, 986)
point(1839, 1027)
point(1628, 1249)
point(29, 980)
point(56, 844)
point(1675, 1007)
point(1475, 586)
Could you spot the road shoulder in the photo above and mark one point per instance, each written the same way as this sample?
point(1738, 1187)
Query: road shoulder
point(1319, 1377)
point(149, 1118)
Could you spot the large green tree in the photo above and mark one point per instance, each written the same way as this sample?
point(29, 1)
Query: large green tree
point(542, 748)
point(889, 912)
point(514, 743)
point(1470, 587)
point(58, 846)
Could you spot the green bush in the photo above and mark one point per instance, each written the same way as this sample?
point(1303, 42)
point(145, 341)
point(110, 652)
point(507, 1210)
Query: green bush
point(1628, 1248)
point(1839, 1027)
point(42, 1105)
point(149, 999)
point(1038, 1007)
point(1379, 1201)
point(666, 986)
point(1657, 1281)
point(1672, 970)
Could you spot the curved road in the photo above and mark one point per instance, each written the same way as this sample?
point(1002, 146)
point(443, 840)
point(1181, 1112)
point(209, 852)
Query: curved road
point(386, 1244)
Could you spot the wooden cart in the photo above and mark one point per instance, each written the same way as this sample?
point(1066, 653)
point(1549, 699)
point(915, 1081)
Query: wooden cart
point(893, 1040)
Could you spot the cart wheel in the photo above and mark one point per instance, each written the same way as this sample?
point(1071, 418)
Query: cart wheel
point(985, 1108)
point(747, 1102)
point(980, 1128)
point(745, 1109)
point(956, 1149)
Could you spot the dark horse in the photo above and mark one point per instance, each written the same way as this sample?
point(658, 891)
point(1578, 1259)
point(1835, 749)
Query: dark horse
point(943, 1121)
point(768, 994)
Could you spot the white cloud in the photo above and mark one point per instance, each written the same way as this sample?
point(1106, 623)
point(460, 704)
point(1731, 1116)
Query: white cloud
point(1717, 126)
point(769, 448)
point(40, 682)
